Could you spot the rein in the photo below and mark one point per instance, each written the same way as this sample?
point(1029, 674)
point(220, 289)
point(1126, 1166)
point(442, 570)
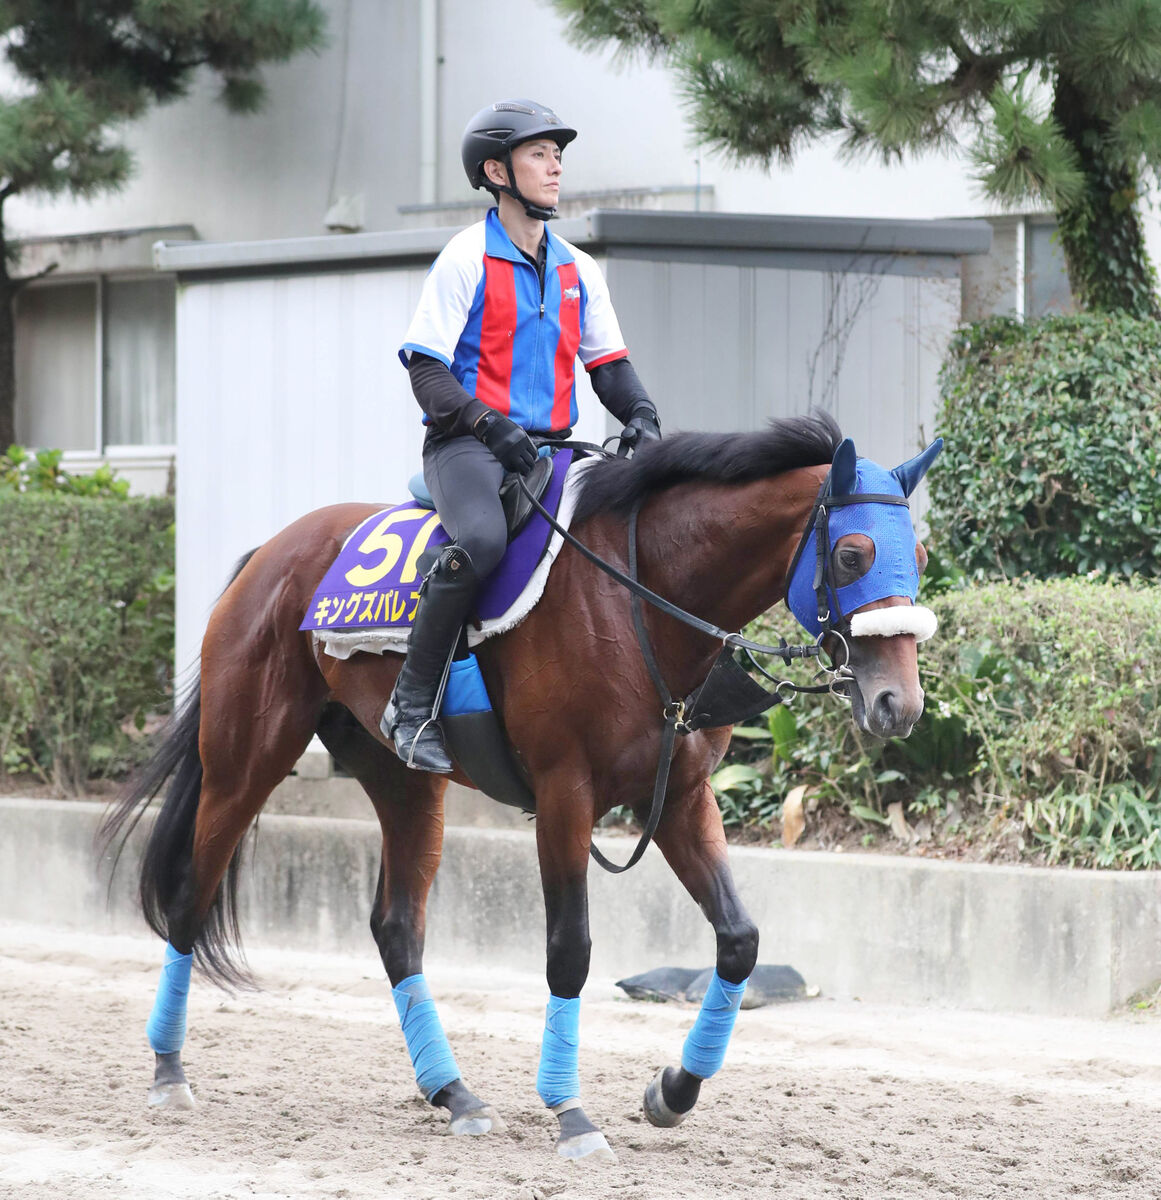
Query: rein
point(727, 695)
point(784, 651)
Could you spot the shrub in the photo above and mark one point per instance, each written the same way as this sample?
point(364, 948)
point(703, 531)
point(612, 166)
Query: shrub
point(86, 603)
point(1053, 462)
point(1043, 702)
point(23, 471)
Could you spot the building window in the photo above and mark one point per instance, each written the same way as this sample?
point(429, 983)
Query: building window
point(1023, 275)
point(95, 364)
point(138, 363)
point(56, 366)
point(1046, 288)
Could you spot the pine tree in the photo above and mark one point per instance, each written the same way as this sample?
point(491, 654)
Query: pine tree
point(1055, 101)
point(84, 70)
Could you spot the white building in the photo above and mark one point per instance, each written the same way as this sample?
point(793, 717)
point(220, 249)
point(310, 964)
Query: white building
point(365, 136)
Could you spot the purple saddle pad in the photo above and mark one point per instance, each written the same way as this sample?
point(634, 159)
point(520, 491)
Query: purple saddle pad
point(374, 583)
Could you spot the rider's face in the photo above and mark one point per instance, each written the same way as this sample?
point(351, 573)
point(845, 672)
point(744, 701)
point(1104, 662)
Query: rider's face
point(537, 168)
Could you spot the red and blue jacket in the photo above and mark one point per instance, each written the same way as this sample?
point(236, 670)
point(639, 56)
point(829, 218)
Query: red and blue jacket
point(481, 314)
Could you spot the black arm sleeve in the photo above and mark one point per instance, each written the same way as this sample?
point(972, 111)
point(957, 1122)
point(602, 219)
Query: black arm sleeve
point(620, 391)
point(441, 396)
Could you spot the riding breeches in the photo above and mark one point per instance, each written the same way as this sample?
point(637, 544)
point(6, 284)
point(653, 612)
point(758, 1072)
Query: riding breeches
point(464, 478)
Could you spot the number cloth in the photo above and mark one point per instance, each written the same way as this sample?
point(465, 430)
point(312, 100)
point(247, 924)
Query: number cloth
point(374, 581)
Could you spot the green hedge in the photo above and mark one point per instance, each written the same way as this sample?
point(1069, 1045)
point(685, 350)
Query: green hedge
point(1053, 458)
point(1043, 704)
point(86, 604)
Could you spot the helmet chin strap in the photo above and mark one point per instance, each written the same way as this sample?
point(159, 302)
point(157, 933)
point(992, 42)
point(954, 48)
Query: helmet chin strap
point(536, 211)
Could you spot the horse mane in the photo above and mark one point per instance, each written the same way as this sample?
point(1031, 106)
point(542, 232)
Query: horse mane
point(615, 485)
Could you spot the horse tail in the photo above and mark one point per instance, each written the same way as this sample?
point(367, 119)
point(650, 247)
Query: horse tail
point(166, 881)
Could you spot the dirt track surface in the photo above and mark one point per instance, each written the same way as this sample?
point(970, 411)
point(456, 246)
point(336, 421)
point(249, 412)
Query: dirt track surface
point(305, 1091)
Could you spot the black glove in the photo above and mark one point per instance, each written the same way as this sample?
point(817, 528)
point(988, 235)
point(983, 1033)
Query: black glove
point(643, 427)
point(506, 440)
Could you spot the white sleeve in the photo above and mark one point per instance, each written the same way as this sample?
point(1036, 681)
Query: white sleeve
point(446, 300)
point(601, 339)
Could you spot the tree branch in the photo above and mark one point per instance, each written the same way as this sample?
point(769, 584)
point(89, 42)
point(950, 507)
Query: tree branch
point(18, 285)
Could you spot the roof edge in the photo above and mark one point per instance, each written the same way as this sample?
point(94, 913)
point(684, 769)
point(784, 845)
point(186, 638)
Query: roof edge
point(599, 228)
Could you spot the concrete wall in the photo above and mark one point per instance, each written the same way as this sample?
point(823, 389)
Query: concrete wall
point(878, 928)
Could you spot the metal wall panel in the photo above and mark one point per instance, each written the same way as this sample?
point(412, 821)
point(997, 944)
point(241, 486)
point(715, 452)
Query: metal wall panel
point(725, 347)
point(289, 398)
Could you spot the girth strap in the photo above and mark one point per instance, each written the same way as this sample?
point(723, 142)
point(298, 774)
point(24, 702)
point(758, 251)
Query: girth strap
point(674, 714)
point(726, 695)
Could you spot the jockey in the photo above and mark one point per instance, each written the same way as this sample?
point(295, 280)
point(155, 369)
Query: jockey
point(505, 311)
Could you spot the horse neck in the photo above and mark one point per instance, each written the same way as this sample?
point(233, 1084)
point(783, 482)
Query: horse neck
point(722, 551)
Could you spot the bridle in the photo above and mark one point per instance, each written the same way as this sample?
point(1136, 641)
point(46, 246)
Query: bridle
point(832, 620)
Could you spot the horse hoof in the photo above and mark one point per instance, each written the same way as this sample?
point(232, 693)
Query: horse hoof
point(657, 1112)
point(479, 1121)
point(591, 1146)
point(172, 1095)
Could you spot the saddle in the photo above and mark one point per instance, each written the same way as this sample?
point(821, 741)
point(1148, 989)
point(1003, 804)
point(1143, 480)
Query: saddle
point(518, 508)
point(375, 581)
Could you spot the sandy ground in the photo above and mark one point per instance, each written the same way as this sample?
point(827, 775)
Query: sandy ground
point(305, 1090)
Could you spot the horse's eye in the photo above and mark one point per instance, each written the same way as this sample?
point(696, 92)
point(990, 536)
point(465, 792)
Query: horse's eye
point(849, 564)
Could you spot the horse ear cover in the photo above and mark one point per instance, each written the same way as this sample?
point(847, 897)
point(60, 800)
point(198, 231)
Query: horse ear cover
point(843, 469)
point(912, 471)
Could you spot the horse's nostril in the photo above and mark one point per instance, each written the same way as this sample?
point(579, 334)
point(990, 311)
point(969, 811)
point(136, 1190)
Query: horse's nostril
point(893, 715)
point(887, 709)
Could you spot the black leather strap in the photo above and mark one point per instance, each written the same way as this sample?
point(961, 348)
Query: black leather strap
point(785, 652)
point(673, 717)
point(643, 639)
point(668, 737)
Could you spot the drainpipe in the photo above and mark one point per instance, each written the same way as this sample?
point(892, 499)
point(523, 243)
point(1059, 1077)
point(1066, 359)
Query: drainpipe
point(1021, 267)
point(428, 100)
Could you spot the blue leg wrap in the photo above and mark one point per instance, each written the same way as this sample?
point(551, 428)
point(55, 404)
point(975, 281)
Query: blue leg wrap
point(558, 1078)
point(706, 1042)
point(165, 1028)
point(431, 1056)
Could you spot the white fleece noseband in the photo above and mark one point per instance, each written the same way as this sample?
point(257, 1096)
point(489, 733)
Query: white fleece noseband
point(891, 622)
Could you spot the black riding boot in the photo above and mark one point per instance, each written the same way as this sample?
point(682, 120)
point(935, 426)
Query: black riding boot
point(447, 595)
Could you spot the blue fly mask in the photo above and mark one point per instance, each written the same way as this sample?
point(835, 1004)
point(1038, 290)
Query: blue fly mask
point(859, 496)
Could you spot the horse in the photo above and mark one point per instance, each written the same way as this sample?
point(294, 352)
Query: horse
point(719, 520)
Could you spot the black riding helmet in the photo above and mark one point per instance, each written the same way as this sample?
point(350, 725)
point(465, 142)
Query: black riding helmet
point(496, 130)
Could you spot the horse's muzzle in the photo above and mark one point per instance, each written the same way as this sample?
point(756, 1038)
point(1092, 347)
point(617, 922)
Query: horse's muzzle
point(889, 714)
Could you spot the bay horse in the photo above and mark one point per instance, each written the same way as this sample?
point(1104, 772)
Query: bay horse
point(720, 518)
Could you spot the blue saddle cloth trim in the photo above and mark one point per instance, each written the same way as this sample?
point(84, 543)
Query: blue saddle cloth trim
point(421, 493)
point(466, 690)
point(419, 490)
point(374, 582)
